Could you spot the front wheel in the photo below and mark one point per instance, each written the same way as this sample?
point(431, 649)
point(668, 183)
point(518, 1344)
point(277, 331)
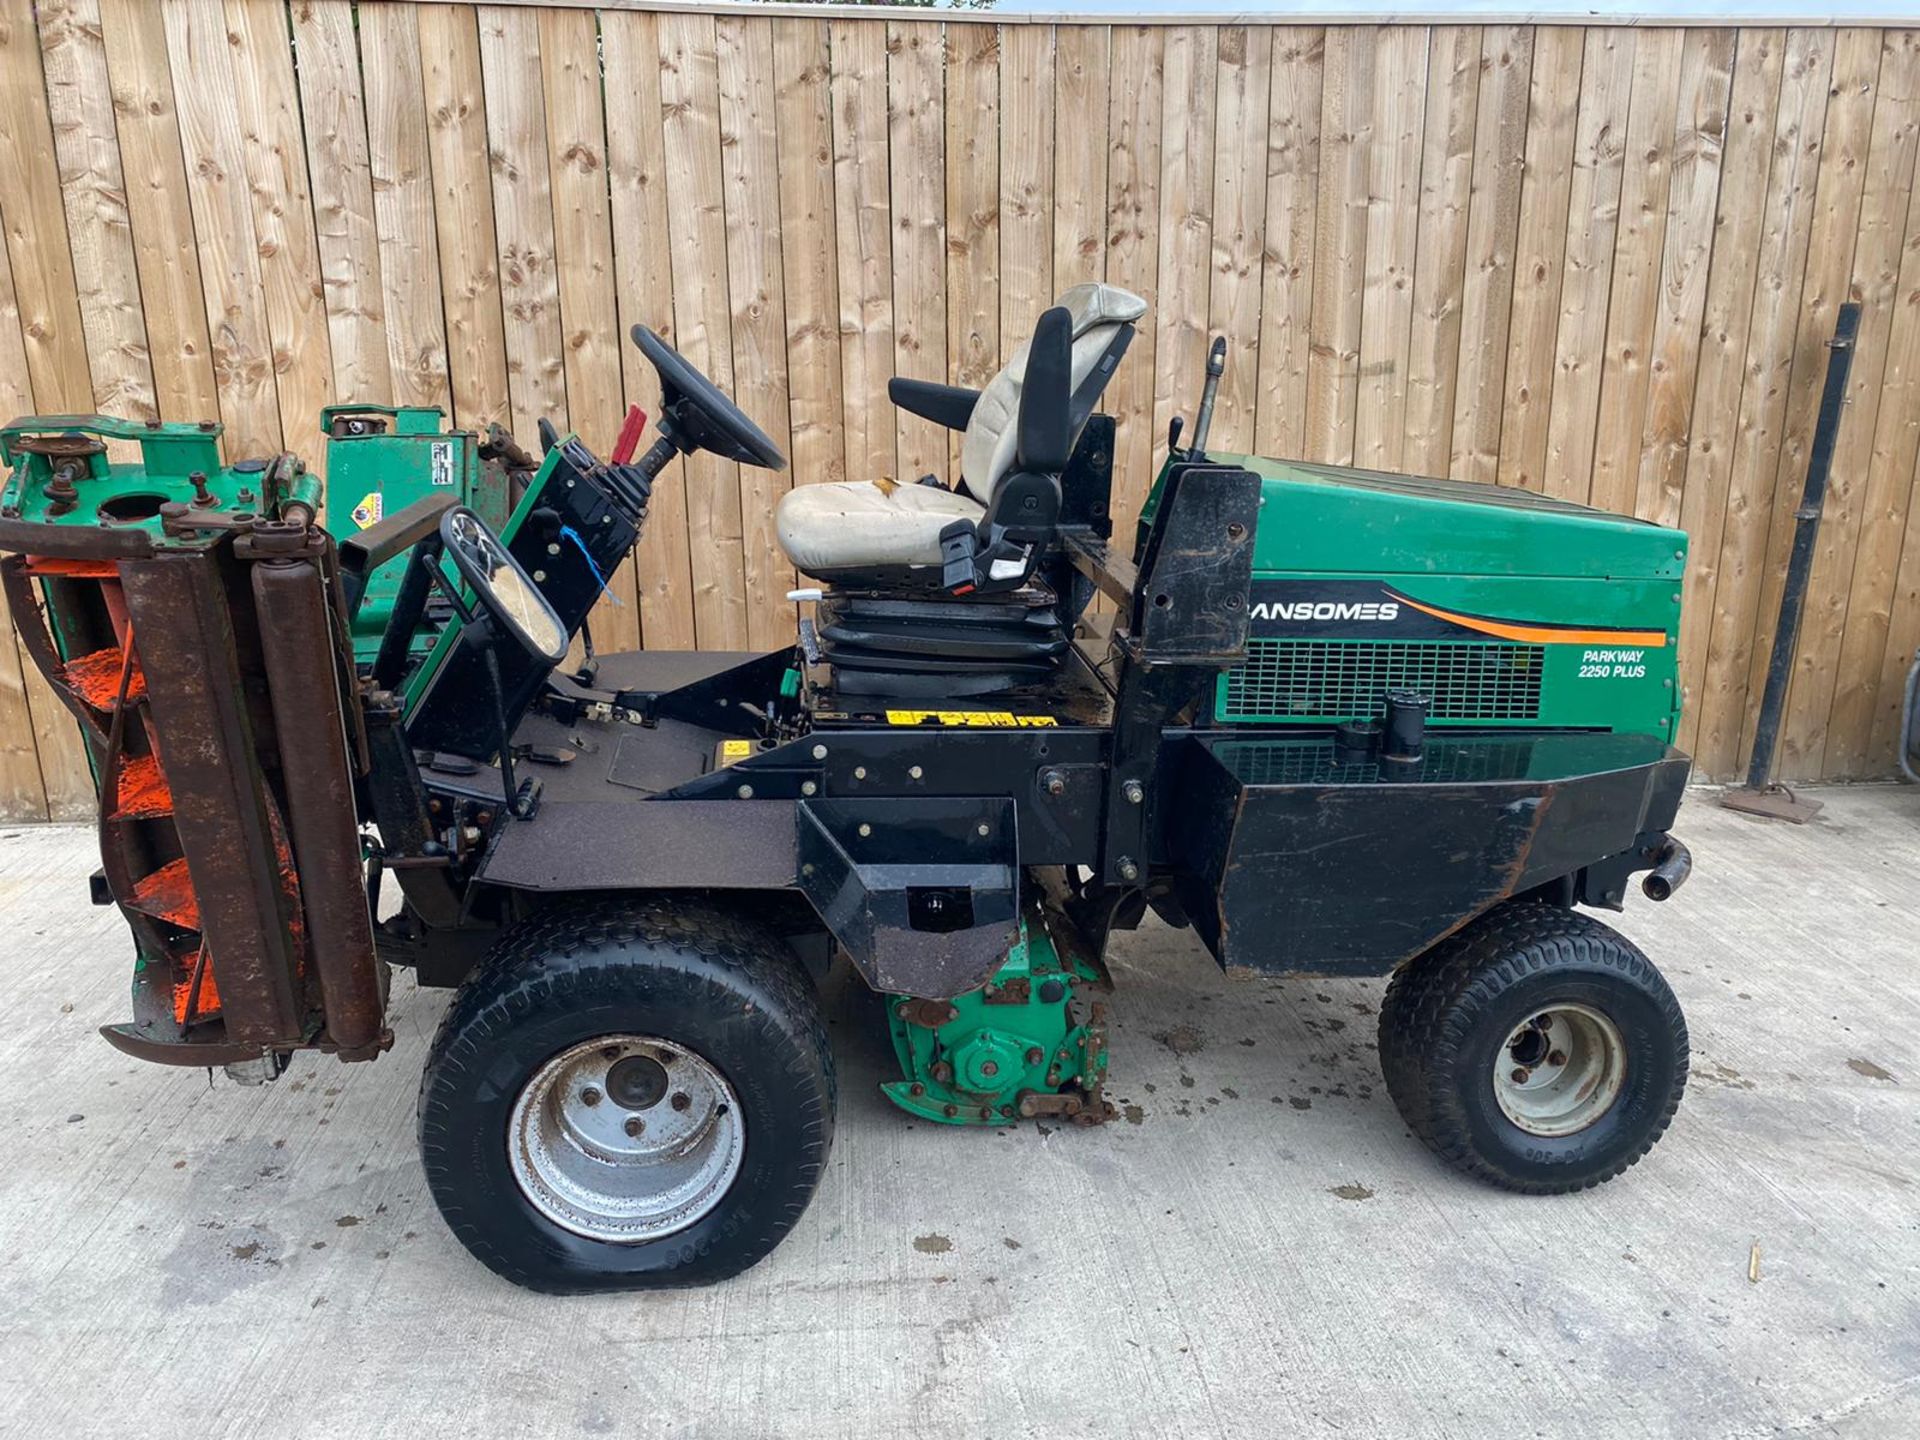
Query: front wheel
point(628, 1094)
point(1537, 1049)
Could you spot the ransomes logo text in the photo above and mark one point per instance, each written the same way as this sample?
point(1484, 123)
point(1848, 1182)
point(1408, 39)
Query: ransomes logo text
point(1326, 610)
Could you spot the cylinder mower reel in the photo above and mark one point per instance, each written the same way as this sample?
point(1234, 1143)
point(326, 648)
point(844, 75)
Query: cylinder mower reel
point(1331, 721)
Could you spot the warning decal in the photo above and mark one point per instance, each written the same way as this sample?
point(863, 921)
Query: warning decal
point(370, 509)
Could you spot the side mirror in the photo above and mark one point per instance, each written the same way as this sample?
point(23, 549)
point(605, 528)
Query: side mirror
point(503, 588)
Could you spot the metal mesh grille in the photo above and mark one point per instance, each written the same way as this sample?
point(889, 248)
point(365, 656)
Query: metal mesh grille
point(1348, 680)
point(1280, 762)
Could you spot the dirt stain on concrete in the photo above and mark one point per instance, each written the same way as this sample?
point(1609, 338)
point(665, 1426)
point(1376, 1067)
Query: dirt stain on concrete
point(347, 1222)
point(932, 1244)
point(1135, 1115)
point(1350, 1192)
point(1182, 1040)
point(1869, 1069)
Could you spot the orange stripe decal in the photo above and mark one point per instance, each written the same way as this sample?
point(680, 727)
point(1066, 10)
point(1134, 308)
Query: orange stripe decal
point(1543, 634)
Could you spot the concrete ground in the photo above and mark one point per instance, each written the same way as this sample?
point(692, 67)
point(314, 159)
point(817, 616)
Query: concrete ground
point(1262, 1252)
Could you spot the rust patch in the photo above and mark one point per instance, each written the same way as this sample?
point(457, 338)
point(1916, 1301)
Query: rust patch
point(95, 677)
point(167, 894)
point(143, 791)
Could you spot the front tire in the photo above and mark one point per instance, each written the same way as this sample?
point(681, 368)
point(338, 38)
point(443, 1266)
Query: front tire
point(1537, 1049)
point(628, 1094)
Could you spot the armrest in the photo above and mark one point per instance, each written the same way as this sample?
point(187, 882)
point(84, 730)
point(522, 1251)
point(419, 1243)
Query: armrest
point(948, 405)
point(362, 554)
point(1045, 436)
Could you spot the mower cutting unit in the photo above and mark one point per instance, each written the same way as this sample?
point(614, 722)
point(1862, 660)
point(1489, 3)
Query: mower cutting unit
point(1333, 721)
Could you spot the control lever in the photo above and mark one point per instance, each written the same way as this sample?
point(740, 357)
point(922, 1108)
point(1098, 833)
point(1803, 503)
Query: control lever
point(1203, 421)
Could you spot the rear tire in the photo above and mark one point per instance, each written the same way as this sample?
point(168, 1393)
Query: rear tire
point(688, 1159)
point(1537, 1049)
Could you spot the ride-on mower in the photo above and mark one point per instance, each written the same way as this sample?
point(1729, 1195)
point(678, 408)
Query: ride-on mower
point(1333, 721)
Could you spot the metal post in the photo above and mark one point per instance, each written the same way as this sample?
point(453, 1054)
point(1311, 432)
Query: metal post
point(1758, 796)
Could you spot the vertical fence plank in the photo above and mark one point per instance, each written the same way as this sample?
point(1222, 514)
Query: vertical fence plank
point(1877, 251)
point(1026, 181)
point(1674, 349)
point(1493, 241)
point(1439, 275)
point(1759, 59)
point(973, 210)
point(179, 352)
point(702, 320)
point(1903, 639)
point(590, 337)
point(1593, 213)
point(916, 144)
point(523, 215)
point(334, 109)
point(643, 281)
point(1186, 221)
point(1829, 276)
point(1633, 300)
point(1080, 80)
point(229, 255)
point(23, 793)
point(757, 294)
point(37, 248)
point(1340, 243)
point(1133, 257)
point(1880, 639)
point(402, 181)
point(1799, 124)
point(463, 214)
point(1239, 211)
point(810, 277)
point(1286, 284)
point(862, 222)
point(1393, 238)
point(1526, 391)
point(80, 103)
point(276, 171)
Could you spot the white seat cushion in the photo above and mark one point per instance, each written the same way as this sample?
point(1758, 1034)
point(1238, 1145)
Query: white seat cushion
point(858, 524)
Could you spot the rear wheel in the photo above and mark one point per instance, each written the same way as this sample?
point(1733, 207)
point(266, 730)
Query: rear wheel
point(1537, 1049)
point(628, 1094)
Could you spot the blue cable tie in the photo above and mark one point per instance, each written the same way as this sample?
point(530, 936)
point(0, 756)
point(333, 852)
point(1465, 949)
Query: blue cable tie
point(568, 532)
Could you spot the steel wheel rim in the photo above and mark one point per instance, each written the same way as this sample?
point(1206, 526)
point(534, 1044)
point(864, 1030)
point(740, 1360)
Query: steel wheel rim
point(626, 1138)
point(1560, 1070)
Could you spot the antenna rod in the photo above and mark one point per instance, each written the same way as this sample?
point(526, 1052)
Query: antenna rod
point(1203, 422)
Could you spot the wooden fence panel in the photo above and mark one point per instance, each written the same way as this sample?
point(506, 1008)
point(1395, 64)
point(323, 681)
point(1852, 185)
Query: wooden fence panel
point(1596, 261)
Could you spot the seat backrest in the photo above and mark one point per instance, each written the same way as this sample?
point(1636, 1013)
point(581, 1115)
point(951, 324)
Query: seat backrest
point(1100, 314)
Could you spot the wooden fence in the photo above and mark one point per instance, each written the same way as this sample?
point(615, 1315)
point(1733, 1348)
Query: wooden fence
point(1599, 262)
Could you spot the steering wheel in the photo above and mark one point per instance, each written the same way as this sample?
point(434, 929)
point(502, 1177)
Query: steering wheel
point(510, 598)
point(698, 415)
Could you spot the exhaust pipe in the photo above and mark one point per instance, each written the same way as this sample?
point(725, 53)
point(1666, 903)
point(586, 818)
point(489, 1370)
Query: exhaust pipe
point(1670, 870)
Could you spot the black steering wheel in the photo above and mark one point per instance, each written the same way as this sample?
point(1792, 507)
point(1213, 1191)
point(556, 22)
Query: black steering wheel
point(698, 415)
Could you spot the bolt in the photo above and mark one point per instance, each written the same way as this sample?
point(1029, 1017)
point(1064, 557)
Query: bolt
point(984, 832)
point(590, 1096)
point(1521, 1075)
point(1055, 782)
point(539, 577)
point(952, 1112)
point(819, 752)
point(865, 829)
point(807, 787)
point(943, 1072)
point(553, 549)
point(612, 1052)
point(1128, 870)
point(636, 1127)
point(859, 772)
point(203, 498)
point(745, 792)
point(990, 1068)
point(914, 772)
point(1558, 1057)
point(681, 1100)
point(1134, 791)
point(1034, 1056)
point(916, 1089)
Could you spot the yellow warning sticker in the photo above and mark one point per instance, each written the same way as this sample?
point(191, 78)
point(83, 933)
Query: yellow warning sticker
point(370, 509)
point(972, 719)
point(732, 750)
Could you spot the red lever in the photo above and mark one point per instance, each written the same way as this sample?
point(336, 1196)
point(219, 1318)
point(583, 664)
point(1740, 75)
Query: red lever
point(629, 440)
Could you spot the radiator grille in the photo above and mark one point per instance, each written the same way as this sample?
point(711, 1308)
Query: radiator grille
point(1326, 680)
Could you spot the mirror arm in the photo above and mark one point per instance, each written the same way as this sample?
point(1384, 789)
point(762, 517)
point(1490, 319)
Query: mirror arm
point(408, 606)
point(508, 784)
